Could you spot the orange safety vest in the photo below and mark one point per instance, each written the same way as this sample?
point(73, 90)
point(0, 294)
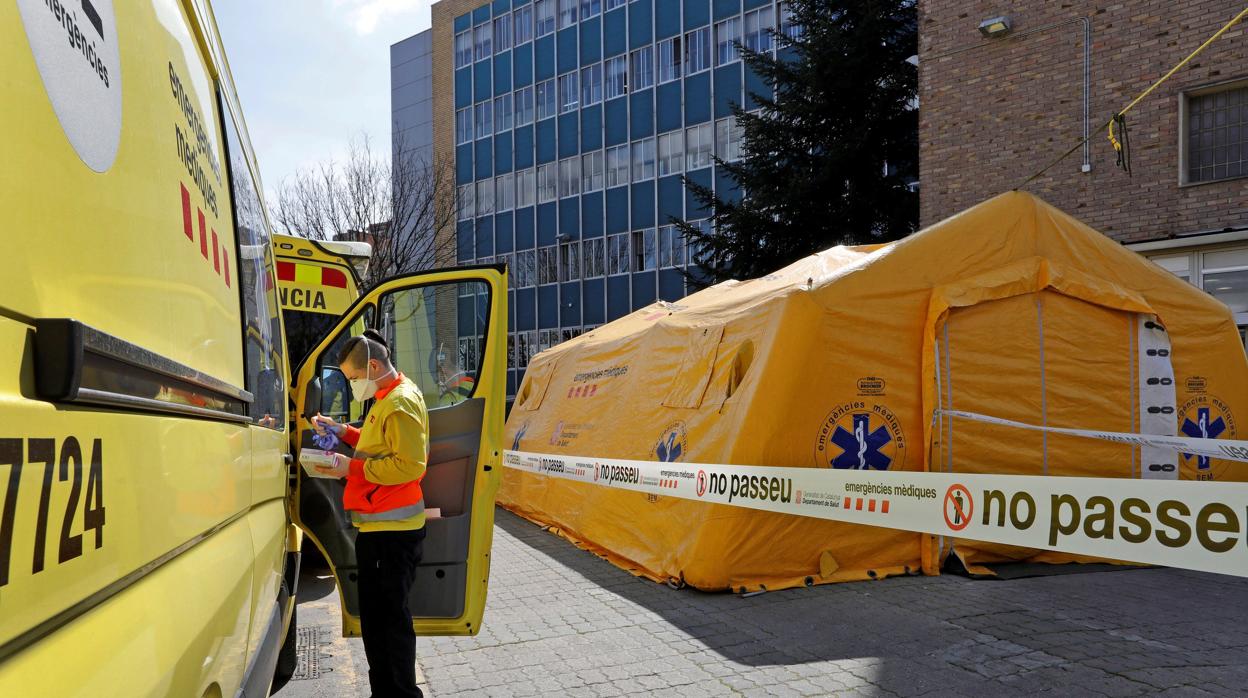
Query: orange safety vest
point(368, 501)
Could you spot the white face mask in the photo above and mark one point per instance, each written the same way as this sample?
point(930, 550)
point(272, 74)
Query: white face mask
point(364, 388)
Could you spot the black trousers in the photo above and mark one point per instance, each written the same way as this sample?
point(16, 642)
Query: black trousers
point(387, 567)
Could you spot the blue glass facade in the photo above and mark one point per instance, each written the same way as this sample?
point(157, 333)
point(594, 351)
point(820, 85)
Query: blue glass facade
point(575, 120)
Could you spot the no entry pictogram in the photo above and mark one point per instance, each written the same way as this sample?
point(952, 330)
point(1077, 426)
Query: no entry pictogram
point(958, 507)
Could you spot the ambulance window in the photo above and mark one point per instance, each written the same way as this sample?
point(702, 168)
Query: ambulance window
point(424, 326)
point(262, 335)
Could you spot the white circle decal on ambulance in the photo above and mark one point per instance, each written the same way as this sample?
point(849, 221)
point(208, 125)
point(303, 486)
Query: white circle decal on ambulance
point(74, 43)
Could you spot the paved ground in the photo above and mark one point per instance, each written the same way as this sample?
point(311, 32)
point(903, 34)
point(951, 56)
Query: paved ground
point(561, 622)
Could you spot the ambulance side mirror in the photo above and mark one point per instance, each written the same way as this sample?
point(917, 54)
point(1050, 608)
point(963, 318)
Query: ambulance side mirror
point(329, 393)
point(312, 398)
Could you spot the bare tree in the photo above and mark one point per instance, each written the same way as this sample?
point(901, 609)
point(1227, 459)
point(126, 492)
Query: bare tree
point(404, 206)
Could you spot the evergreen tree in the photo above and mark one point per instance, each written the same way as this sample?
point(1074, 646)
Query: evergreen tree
point(828, 158)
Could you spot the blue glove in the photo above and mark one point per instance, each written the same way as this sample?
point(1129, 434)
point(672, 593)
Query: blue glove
point(326, 442)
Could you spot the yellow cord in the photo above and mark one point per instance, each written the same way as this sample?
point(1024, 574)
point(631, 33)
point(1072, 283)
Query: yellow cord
point(1184, 62)
point(1110, 124)
point(1114, 141)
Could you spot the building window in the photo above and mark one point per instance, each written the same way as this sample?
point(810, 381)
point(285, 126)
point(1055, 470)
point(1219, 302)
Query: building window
point(643, 159)
point(467, 201)
point(590, 8)
point(642, 73)
point(544, 17)
point(699, 254)
point(485, 197)
point(727, 36)
point(526, 347)
point(699, 144)
point(570, 176)
point(617, 76)
point(617, 254)
point(617, 166)
point(547, 266)
point(1224, 275)
point(547, 184)
point(524, 106)
point(547, 339)
point(502, 33)
point(671, 247)
point(567, 13)
point(757, 29)
point(545, 99)
point(481, 40)
point(595, 251)
point(612, 4)
point(787, 26)
point(728, 135)
point(522, 349)
point(644, 249)
point(698, 51)
point(525, 191)
point(467, 351)
point(1217, 135)
point(463, 48)
point(671, 153)
point(591, 171)
point(524, 25)
point(570, 261)
point(591, 85)
point(463, 126)
point(502, 113)
point(670, 56)
point(483, 115)
point(1180, 265)
point(569, 93)
point(526, 267)
point(504, 192)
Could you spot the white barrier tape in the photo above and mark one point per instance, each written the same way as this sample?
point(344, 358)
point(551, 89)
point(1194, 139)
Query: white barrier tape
point(1193, 525)
point(1227, 449)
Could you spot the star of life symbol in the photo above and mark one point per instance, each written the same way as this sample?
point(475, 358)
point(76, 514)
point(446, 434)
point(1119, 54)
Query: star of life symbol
point(672, 443)
point(668, 449)
point(861, 449)
point(1202, 428)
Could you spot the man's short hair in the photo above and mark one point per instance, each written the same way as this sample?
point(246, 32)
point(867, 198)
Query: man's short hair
point(358, 349)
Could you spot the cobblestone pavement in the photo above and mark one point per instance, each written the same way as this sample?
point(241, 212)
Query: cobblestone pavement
point(561, 622)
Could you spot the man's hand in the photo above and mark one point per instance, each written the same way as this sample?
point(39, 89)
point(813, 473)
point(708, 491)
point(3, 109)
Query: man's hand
point(340, 468)
point(322, 424)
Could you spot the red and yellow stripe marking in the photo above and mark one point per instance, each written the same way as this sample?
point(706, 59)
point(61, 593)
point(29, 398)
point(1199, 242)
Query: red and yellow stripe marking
point(309, 275)
point(220, 255)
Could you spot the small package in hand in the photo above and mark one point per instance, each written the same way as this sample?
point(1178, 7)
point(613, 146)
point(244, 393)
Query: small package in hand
point(313, 457)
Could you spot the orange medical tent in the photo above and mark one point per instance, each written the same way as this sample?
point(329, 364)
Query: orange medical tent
point(845, 359)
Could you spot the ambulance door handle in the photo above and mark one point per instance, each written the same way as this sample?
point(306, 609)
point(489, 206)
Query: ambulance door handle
point(288, 458)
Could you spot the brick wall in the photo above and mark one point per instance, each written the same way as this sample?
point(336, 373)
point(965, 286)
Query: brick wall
point(994, 114)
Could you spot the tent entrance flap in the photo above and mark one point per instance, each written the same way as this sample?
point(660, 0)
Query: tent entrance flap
point(1051, 360)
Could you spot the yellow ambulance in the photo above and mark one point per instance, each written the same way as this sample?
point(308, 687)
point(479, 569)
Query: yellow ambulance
point(148, 483)
point(317, 280)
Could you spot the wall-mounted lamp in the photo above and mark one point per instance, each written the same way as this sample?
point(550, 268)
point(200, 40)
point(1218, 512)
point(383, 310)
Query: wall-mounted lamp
point(995, 28)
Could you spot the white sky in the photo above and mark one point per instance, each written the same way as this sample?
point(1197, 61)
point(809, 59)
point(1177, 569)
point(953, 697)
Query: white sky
point(313, 74)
